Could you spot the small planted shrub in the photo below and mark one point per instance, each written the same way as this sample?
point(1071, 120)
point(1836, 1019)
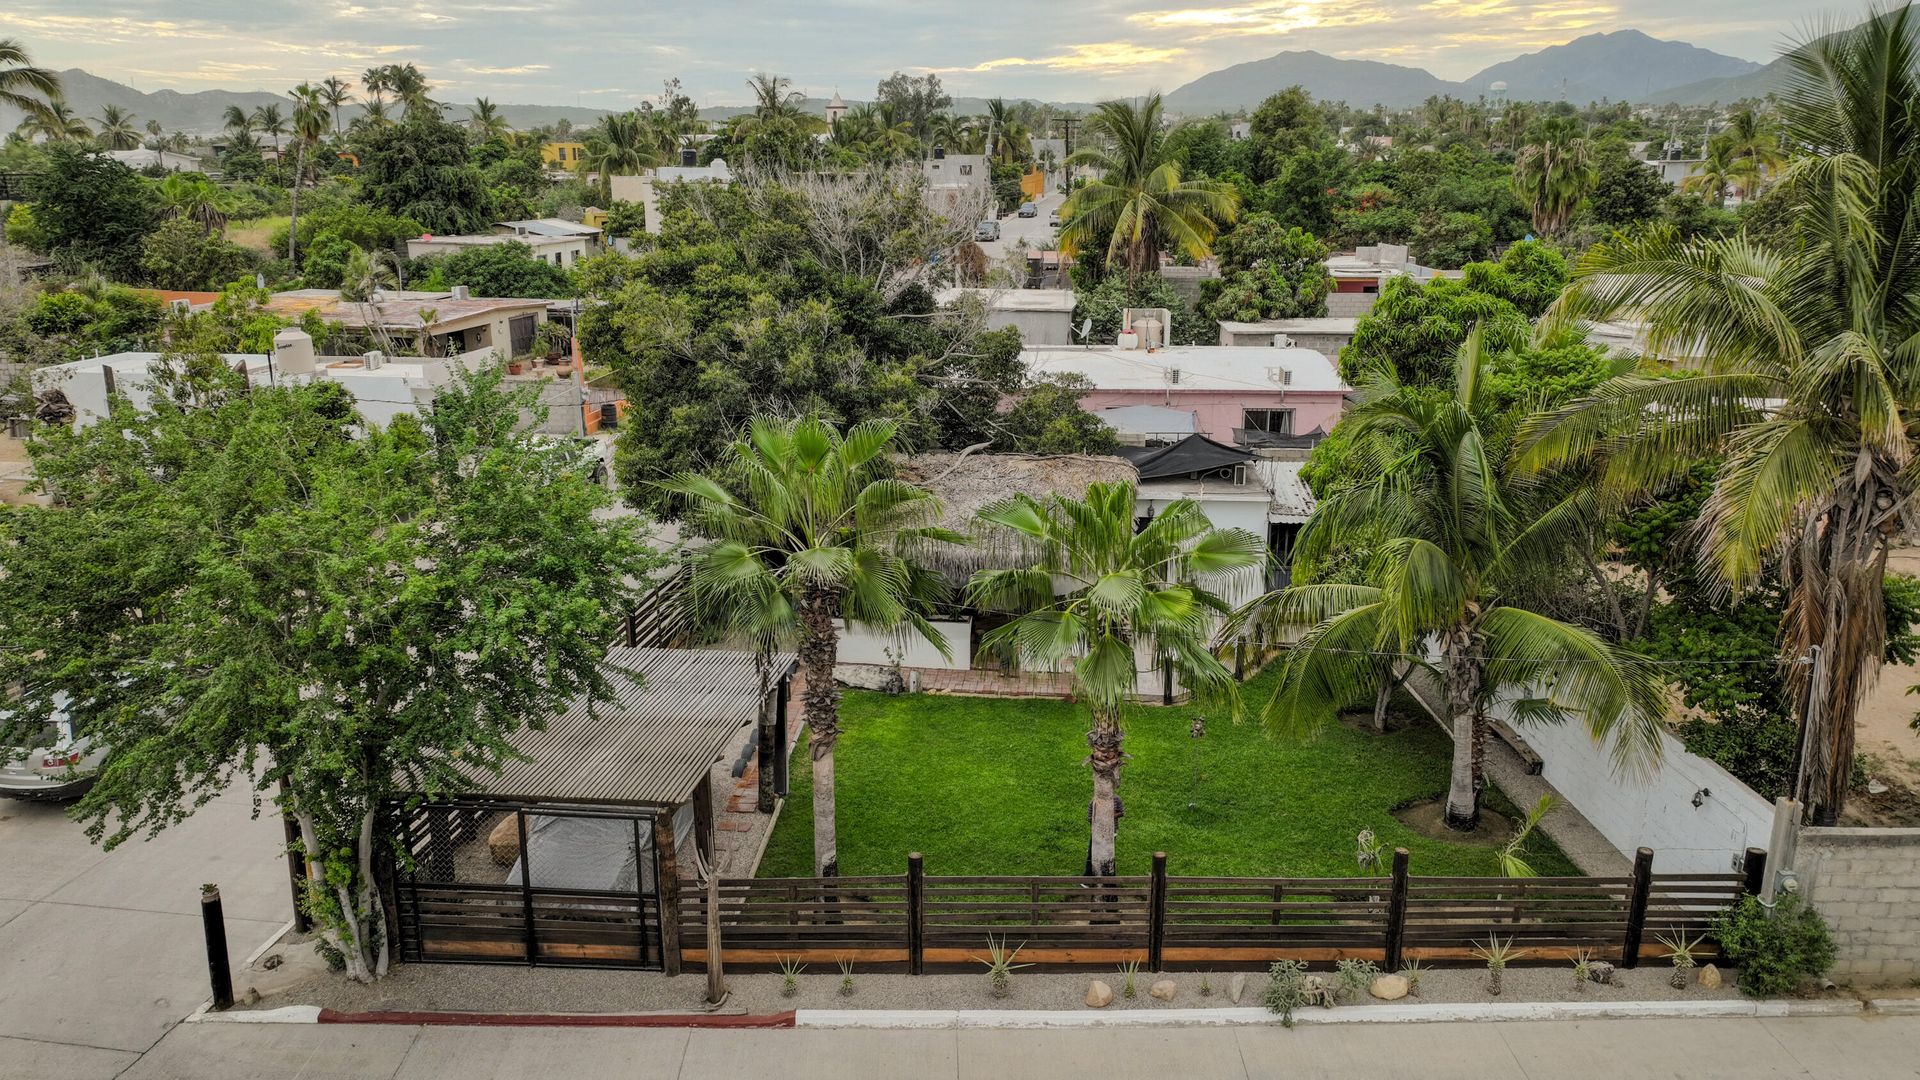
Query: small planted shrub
point(1353, 977)
point(1286, 989)
point(1582, 969)
point(790, 970)
point(1776, 951)
point(1000, 965)
point(1206, 985)
point(1498, 954)
point(846, 976)
point(1680, 949)
point(1411, 972)
point(1127, 971)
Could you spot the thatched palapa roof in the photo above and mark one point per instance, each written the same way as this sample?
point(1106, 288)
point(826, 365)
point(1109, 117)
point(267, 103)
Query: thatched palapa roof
point(966, 483)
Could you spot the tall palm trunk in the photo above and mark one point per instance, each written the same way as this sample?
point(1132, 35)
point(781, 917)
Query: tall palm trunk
point(1463, 677)
point(819, 651)
point(293, 219)
point(1836, 575)
point(1105, 760)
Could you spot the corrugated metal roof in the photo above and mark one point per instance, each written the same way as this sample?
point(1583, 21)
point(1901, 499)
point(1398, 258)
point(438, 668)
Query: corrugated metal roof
point(1292, 499)
point(652, 740)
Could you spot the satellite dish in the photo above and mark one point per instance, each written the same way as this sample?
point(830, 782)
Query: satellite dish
point(1086, 328)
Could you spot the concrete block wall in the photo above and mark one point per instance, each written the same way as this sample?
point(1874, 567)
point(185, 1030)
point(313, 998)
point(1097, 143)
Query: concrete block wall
point(1866, 882)
point(1349, 305)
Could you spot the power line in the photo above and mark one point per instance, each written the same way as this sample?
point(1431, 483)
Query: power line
point(1383, 655)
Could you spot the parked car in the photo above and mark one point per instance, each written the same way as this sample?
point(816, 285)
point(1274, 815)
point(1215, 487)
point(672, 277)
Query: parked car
point(1029, 209)
point(54, 764)
point(987, 230)
point(1053, 220)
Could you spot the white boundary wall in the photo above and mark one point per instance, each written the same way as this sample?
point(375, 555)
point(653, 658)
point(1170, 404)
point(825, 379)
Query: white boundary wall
point(1655, 810)
point(862, 646)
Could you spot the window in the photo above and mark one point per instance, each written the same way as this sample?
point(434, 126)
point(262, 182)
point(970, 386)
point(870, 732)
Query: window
point(1271, 421)
point(966, 170)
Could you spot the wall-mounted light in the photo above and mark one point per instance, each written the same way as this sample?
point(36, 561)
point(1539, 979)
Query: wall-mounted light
point(1700, 797)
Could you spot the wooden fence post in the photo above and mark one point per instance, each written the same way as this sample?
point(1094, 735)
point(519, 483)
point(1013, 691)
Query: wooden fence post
point(916, 907)
point(526, 888)
point(1157, 913)
point(1637, 907)
point(633, 629)
point(668, 875)
point(716, 952)
point(1755, 871)
point(1397, 910)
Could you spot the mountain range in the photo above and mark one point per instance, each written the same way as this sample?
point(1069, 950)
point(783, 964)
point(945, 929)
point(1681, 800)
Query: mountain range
point(1625, 65)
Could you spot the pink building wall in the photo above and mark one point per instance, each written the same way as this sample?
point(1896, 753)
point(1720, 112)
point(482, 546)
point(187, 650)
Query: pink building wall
point(1218, 412)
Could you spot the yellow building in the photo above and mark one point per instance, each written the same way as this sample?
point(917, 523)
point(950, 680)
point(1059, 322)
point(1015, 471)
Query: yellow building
point(567, 155)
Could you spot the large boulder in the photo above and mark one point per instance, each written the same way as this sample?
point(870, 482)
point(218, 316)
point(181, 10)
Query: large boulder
point(1237, 987)
point(1390, 987)
point(1164, 989)
point(1099, 995)
point(504, 841)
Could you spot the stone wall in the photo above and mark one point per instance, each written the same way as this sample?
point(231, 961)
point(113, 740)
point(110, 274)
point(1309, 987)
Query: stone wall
point(1867, 884)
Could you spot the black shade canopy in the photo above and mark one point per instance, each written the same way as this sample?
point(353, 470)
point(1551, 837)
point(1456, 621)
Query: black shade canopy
point(1195, 455)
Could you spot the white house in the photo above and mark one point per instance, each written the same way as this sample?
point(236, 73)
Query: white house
point(644, 189)
point(1043, 316)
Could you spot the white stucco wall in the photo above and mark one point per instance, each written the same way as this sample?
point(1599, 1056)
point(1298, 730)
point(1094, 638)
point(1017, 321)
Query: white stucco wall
point(862, 646)
point(1655, 810)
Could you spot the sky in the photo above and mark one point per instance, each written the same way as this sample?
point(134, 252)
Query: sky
point(616, 53)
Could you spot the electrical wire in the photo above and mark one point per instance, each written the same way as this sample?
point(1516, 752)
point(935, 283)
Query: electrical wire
point(1383, 655)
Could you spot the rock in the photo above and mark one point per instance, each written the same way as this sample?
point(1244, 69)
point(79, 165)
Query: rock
point(1601, 972)
point(1390, 987)
point(1099, 995)
point(1164, 989)
point(1709, 977)
point(1237, 987)
point(504, 841)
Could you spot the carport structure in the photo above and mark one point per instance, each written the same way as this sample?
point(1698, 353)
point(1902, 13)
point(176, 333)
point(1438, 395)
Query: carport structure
point(563, 857)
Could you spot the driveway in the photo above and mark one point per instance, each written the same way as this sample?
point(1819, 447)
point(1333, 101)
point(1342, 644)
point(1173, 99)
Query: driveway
point(101, 953)
point(1034, 230)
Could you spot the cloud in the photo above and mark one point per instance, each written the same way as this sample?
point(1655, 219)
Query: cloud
point(1097, 56)
point(520, 69)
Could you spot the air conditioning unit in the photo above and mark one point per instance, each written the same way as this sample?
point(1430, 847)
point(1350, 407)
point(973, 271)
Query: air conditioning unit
point(1279, 376)
point(374, 360)
point(1239, 476)
point(1282, 341)
point(461, 292)
point(180, 306)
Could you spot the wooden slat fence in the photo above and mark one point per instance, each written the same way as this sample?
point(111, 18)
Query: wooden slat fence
point(918, 923)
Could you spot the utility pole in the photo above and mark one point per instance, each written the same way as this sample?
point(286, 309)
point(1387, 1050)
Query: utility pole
point(1066, 126)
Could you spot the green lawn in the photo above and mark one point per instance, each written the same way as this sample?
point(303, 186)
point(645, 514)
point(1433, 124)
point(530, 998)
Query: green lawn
point(997, 786)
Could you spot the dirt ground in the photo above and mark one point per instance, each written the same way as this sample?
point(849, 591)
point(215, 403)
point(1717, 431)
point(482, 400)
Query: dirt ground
point(1886, 736)
point(14, 471)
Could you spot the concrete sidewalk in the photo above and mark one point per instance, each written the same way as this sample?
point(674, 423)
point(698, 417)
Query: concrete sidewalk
point(1848, 1047)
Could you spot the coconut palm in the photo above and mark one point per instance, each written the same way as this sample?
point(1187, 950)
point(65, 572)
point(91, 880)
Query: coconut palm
point(117, 130)
point(197, 199)
point(1452, 537)
point(336, 91)
point(55, 122)
point(1809, 376)
point(624, 145)
point(268, 120)
point(1138, 203)
point(24, 87)
point(1716, 172)
point(815, 535)
point(1011, 141)
point(1101, 596)
point(1553, 172)
point(485, 120)
point(236, 121)
point(410, 88)
point(774, 97)
point(373, 115)
point(310, 118)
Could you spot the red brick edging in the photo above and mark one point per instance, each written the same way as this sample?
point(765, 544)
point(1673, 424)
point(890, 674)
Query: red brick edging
point(634, 1020)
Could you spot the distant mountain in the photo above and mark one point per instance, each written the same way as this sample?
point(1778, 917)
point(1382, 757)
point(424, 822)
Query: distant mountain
point(203, 112)
point(1329, 78)
point(1625, 65)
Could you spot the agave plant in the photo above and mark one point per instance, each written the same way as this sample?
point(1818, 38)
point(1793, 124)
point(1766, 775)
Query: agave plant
point(1498, 954)
point(1000, 965)
point(790, 970)
point(1582, 969)
point(1680, 949)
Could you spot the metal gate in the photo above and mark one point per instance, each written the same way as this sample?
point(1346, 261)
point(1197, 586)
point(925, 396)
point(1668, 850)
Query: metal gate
point(520, 334)
point(502, 883)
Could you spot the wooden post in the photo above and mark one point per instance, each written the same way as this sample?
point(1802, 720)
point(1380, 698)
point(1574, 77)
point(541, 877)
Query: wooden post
point(1279, 895)
point(703, 819)
point(1157, 912)
point(1637, 907)
point(668, 873)
point(219, 970)
point(781, 743)
point(1397, 911)
point(1755, 871)
point(526, 889)
point(916, 909)
point(633, 630)
point(716, 973)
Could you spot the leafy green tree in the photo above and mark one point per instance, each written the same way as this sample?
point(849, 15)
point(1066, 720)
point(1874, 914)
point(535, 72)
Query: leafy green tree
point(1412, 328)
point(1822, 333)
point(1450, 239)
point(182, 255)
point(1451, 535)
point(1625, 192)
point(1104, 304)
point(1138, 204)
point(1103, 597)
point(1530, 275)
point(1284, 125)
point(242, 586)
point(1267, 272)
point(807, 531)
point(419, 170)
point(93, 208)
point(1045, 417)
point(915, 99)
point(507, 269)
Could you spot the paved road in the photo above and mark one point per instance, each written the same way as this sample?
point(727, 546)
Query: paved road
point(100, 953)
point(1849, 1048)
point(1034, 230)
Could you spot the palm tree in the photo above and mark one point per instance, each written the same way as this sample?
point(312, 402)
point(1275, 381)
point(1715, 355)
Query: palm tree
point(819, 536)
point(774, 97)
point(1138, 203)
point(374, 115)
point(949, 131)
point(237, 122)
point(24, 87)
point(268, 120)
point(1553, 173)
point(117, 130)
point(55, 122)
point(197, 199)
point(310, 118)
point(1011, 140)
point(1715, 173)
point(485, 120)
point(336, 91)
point(410, 87)
point(376, 82)
point(1103, 595)
point(1451, 534)
point(624, 146)
point(1809, 381)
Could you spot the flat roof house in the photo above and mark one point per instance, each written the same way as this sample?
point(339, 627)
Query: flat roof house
point(1358, 276)
point(553, 240)
point(1325, 335)
point(1043, 316)
point(1247, 395)
point(432, 323)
